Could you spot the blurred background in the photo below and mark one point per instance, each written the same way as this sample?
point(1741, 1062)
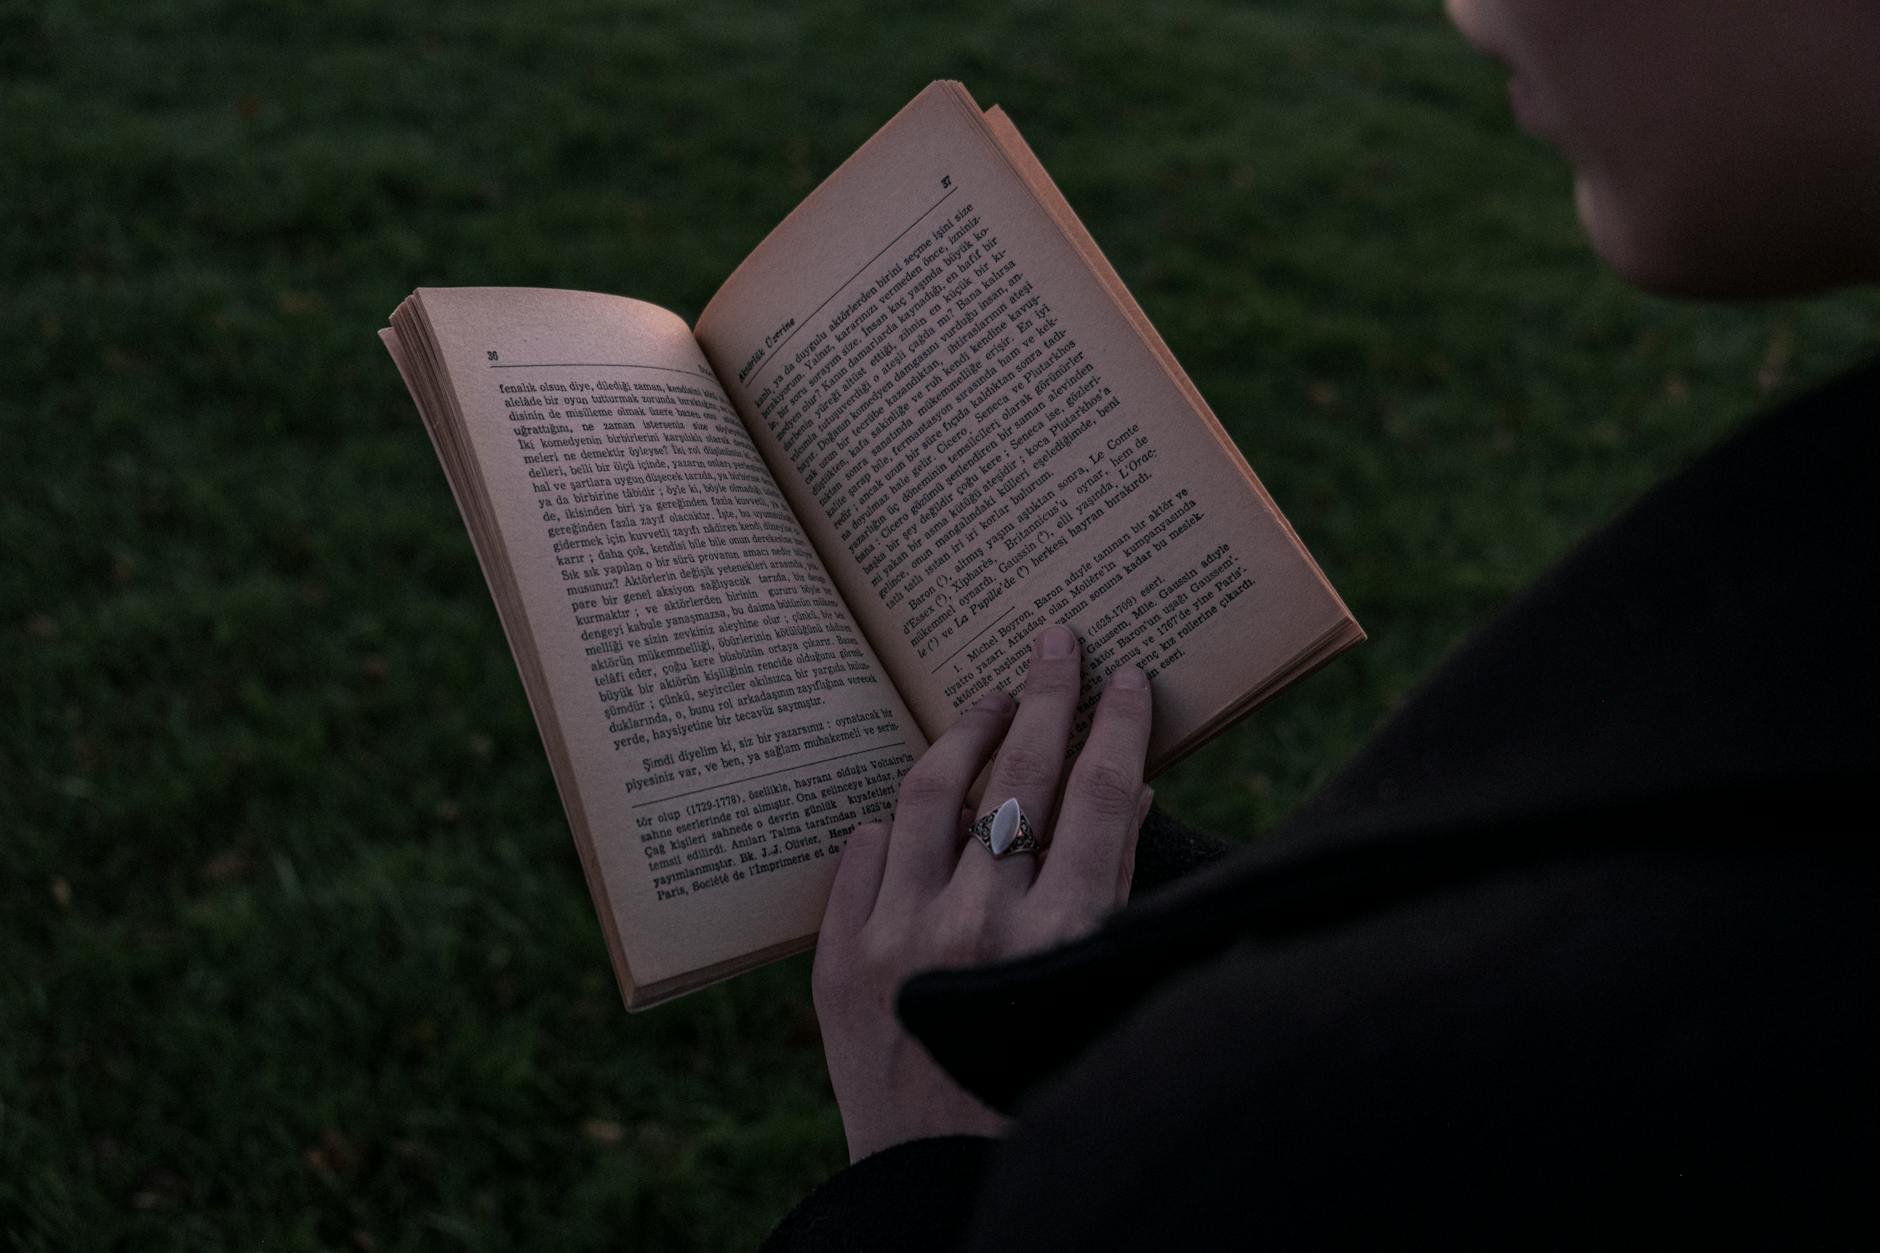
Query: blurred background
point(294, 947)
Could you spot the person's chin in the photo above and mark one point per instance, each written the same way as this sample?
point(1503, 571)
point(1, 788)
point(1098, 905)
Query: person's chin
point(1635, 255)
point(1533, 113)
point(1658, 251)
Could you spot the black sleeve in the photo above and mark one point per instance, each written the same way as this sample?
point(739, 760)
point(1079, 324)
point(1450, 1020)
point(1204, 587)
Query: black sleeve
point(1168, 849)
point(1670, 1042)
point(914, 1197)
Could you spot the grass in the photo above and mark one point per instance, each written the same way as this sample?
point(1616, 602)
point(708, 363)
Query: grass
point(294, 950)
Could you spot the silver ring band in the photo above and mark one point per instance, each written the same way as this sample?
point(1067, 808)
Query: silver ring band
point(1006, 830)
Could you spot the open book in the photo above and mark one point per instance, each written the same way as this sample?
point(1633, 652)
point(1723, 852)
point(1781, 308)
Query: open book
point(750, 568)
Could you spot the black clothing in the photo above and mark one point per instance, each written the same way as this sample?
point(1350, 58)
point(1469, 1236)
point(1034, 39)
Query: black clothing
point(1586, 931)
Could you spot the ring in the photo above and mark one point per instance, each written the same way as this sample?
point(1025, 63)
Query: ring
point(1006, 830)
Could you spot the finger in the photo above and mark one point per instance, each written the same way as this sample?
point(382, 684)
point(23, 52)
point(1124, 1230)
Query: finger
point(1091, 840)
point(1030, 762)
point(1127, 879)
point(924, 841)
point(858, 880)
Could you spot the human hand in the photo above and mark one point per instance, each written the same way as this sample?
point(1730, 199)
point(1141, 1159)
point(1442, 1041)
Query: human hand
point(924, 894)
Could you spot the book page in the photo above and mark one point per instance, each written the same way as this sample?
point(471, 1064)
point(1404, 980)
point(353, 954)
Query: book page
point(982, 438)
point(716, 720)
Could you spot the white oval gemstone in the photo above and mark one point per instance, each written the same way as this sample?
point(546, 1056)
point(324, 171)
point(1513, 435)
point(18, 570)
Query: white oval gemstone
point(1005, 826)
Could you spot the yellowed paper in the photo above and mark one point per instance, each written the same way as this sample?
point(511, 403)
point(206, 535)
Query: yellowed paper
point(981, 439)
point(716, 720)
point(748, 570)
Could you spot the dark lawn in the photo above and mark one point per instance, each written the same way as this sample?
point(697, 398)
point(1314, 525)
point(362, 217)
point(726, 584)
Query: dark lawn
point(294, 949)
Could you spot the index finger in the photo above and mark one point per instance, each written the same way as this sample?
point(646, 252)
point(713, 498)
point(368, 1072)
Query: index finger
point(1096, 823)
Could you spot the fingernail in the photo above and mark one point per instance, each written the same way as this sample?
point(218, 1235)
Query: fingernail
point(1056, 641)
point(1130, 678)
point(996, 702)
